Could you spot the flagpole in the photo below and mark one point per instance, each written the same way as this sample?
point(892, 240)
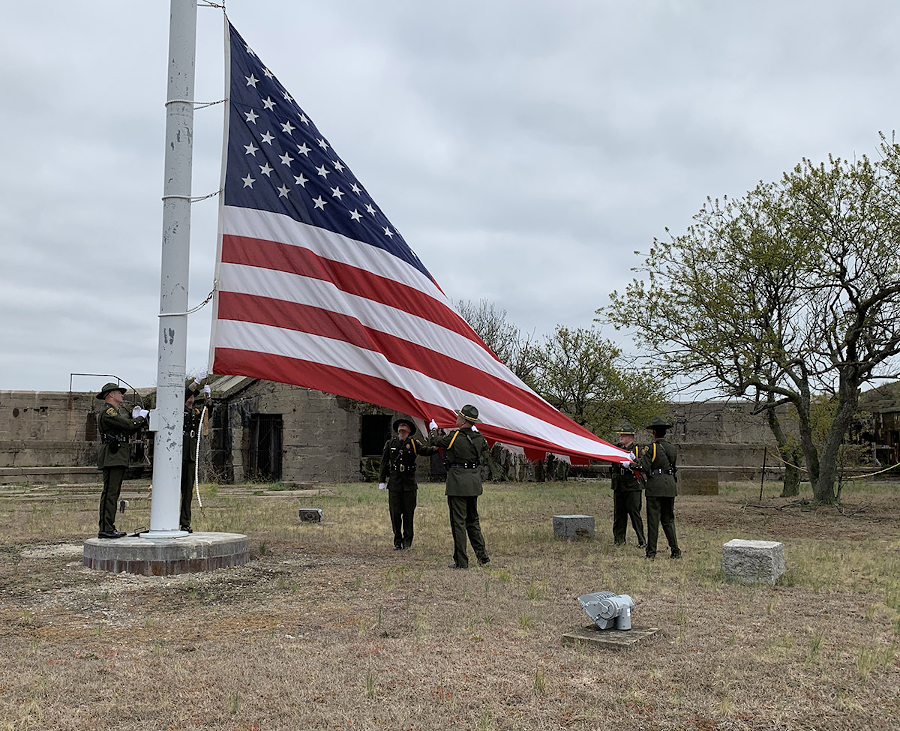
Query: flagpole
point(167, 418)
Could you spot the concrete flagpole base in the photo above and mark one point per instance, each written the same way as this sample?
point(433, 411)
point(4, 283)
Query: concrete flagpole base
point(166, 556)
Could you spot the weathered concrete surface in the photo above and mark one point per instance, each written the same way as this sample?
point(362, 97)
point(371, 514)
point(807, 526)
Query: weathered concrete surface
point(698, 481)
point(48, 475)
point(571, 527)
point(609, 639)
point(753, 562)
point(166, 556)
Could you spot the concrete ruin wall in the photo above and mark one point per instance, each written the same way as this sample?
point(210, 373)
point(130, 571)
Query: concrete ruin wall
point(320, 439)
point(47, 428)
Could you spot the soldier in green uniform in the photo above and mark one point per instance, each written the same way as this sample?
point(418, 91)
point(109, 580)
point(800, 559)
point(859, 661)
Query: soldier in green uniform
point(114, 426)
point(466, 449)
point(398, 477)
point(658, 461)
point(188, 459)
point(626, 495)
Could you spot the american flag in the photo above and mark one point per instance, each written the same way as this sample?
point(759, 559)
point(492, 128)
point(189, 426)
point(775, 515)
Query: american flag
point(317, 288)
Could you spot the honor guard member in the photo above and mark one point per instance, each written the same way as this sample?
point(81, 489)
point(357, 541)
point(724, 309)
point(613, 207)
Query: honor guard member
point(188, 453)
point(626, 489)
point(466, 450)
point(398, 477)
point(114, 426)
point(658, 461)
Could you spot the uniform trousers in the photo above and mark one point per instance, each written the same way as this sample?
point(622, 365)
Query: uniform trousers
point(627, 504)
point(661, 510)
point(187, 493)
point(109, 498)
point(464, 521)
point(402, 506)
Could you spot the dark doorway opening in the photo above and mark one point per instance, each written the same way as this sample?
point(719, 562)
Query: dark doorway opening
point(376, 430)
point(265, 447)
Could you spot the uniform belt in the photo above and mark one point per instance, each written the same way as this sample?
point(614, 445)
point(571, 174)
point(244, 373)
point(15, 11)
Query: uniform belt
point(662, 472)
point(466, 465)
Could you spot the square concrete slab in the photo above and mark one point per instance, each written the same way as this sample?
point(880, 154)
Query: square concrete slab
point(609, 639)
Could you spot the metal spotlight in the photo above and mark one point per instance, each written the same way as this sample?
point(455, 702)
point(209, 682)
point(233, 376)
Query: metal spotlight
point(607, 609)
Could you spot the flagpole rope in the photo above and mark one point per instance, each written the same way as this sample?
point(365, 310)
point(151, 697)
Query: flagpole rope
point(192, 198)
point(197, 105)
point(197, 460)
point(193, 309)
point(207, 4)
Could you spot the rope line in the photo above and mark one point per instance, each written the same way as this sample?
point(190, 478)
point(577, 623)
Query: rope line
point(192, 198)
point(851, 477)
point(197, 459)
point(194, 103)
point(193, 309)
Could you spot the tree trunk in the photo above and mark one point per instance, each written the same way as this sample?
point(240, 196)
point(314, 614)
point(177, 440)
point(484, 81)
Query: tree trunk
point(790, 453)
point(792, 473)
point(848, 400)
point(810, 453)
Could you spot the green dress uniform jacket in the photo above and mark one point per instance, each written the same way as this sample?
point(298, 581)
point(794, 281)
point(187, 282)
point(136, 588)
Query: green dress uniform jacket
point(466, 450)
point(115, 426)
point(398, 463)
point(658, 461)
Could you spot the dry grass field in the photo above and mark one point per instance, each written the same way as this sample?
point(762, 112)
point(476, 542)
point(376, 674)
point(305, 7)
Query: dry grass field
point(328, 628)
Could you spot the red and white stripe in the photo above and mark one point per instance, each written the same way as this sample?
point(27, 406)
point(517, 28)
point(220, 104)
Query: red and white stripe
point(302, 305)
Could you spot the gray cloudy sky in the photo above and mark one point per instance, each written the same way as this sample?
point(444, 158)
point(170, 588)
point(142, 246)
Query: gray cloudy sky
point(525, 148)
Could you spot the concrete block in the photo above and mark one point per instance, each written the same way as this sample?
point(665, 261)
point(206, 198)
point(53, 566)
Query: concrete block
point(698, 482)
point(753, 562)
point(571, 527)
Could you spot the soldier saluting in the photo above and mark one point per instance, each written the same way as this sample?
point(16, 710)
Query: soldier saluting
point(115, 426)
point(466, 449)
point(398, 477)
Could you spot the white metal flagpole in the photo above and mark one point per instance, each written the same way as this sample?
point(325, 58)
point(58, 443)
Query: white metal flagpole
point(167, 419)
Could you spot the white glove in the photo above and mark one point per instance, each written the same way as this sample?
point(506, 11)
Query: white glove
point(145, 413)
point(474, 428)
point(432, 425)
point(382, 486)
point(207, 390)
point(202, 375)
point(136, 412)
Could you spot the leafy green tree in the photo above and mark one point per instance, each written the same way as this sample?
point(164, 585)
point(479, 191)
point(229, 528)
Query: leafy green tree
point(789, 292)
point(586, 377)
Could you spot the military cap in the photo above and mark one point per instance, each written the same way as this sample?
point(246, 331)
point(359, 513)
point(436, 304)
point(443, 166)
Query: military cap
point(658, 423)
point(412, 427)
point(110, 387)
point(625, 428)
point(469, 413)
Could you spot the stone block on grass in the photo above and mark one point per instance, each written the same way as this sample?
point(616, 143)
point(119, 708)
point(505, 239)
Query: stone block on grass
point(571, 527)
point(753, 562)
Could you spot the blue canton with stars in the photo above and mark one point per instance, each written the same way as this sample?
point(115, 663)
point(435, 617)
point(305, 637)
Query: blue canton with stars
point(279, 161)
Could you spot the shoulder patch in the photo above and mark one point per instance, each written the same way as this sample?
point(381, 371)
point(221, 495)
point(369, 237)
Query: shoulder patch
point(111, 412)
